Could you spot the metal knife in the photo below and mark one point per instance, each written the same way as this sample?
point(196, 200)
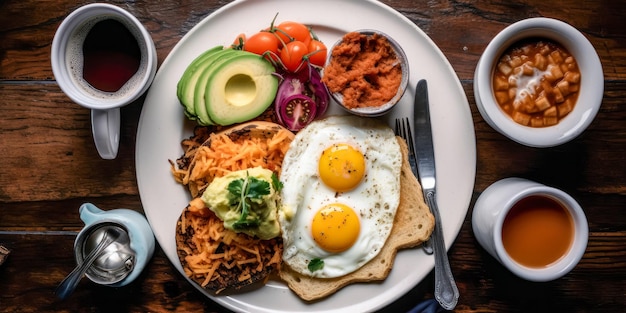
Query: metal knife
point(446, 291)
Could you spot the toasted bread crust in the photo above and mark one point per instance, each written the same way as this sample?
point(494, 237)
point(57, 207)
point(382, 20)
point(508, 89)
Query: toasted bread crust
point(413, 225)
point(225, 279)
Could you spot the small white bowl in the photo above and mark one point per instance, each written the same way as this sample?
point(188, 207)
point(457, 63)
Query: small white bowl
point(591, 88)
point(404, 65)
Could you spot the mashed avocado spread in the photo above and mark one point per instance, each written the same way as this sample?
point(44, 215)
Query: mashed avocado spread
point(246, 201)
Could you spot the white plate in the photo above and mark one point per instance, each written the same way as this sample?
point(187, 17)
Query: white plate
point(162, 127)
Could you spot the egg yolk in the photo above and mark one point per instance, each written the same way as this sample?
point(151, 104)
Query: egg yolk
point(335, 227)
point(341, 167)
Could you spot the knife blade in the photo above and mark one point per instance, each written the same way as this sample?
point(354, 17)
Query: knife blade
point(446, 291)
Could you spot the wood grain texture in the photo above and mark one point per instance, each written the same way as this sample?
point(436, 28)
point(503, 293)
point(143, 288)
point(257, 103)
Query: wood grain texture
point(50, 165)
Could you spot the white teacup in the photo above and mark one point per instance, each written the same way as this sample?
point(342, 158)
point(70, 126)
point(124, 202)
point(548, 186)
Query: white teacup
point(68, 62)
point(512, 245)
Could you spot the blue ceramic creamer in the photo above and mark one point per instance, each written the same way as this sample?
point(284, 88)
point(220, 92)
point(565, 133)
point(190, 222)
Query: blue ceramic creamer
point(135, 224)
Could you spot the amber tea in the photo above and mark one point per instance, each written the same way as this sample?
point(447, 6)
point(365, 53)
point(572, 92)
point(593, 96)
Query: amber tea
point(537, 231)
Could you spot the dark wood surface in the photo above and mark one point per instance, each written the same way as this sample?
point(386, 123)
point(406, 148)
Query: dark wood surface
point(49, 165)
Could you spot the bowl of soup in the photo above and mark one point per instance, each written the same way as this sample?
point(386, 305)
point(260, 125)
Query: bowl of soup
point(539, 82)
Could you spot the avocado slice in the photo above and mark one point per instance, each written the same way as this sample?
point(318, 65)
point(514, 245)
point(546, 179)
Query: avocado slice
point(200, 87)
point(189, 78)
point(240, 88)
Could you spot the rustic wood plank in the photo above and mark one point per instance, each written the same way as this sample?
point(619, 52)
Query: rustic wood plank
point(50, 258)
point(461, 29)
point(25, 42)
point(58, 215)
point(42, 126)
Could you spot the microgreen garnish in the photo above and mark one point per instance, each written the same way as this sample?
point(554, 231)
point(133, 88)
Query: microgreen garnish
point(316, 265)
point(278, 185)
point(243, 192)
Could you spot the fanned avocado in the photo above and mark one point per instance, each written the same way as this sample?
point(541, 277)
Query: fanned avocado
point(189, 78)
point(240, 89)
point(199, 88)
point(226, 86)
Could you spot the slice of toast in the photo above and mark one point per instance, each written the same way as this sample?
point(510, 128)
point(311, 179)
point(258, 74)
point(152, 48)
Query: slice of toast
point(225, 278)
point(413, 225)
point(239, 272)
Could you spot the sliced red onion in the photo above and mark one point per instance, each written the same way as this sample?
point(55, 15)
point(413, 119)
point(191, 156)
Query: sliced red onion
point(307, 89)
point(320, 91)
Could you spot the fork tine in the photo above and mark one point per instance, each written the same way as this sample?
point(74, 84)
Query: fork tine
point(408, 135)
point(403, 129)
point(397, 129)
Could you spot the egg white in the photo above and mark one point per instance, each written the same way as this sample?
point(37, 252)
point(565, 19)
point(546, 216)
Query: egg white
point(375, 200)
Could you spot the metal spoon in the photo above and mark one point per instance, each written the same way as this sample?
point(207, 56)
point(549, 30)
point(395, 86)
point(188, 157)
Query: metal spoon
point(115, 263)
point(70, 282)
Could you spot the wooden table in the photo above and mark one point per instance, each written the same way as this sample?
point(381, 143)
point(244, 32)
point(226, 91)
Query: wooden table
point(49, 165)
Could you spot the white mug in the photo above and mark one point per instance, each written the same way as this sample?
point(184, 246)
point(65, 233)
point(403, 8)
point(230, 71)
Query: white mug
point(491, 210)
point(68, 62)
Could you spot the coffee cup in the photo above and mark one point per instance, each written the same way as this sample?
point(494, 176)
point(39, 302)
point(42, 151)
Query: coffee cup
point(103, 58)
point(537, 232)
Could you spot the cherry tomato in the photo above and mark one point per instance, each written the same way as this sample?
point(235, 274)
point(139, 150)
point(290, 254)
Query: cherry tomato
point(261, 43)
point(293, 31)
point(297, 111)
point(292, 55)
point(317, 52)
point(239, 42)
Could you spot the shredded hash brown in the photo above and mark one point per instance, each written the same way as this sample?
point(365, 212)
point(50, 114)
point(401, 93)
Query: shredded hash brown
point(219, 259)
point(214, 257)
point(220, 154)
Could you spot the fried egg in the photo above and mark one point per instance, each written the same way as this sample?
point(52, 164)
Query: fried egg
point(341, 189)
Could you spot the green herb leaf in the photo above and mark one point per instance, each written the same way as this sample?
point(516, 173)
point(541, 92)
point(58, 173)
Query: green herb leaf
point(316, 265)
point(242, 191)
point(235, 188)
point(246, 224)
point(278, 185)
point(257, 188)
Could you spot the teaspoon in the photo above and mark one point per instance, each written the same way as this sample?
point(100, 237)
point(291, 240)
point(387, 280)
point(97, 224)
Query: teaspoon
point(70, 282)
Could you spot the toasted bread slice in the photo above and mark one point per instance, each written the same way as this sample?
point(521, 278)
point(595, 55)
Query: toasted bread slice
point(413, 225)
point(224, 277)
point(237, 271)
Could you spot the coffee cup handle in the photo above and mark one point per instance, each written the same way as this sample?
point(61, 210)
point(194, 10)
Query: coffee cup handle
point(105, 126)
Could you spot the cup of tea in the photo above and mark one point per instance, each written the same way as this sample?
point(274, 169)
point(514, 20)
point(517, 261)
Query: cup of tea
point(103, 58)
point(537, 232)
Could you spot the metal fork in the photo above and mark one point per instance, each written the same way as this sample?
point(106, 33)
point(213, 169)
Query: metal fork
point(446, 291)
point(403, 129)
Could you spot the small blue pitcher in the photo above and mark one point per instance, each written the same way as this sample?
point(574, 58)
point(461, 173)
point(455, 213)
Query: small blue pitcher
point(135, 224)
